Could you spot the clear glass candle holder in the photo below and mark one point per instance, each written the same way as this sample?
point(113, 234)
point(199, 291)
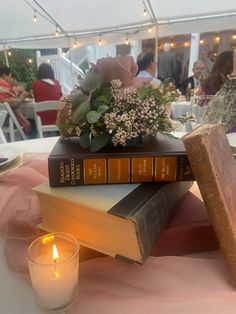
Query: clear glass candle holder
point(53, 262)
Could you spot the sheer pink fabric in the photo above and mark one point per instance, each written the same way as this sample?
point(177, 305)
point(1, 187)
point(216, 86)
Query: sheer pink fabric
point(19, 208)
point(166, 284)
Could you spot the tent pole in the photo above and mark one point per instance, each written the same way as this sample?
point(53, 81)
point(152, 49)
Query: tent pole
point(5, 55)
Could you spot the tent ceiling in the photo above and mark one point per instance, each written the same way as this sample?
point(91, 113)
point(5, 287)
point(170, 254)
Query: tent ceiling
point(85, 20)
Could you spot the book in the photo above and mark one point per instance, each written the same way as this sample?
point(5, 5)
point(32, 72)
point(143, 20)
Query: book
point(188, 231)
point(214, 167)
point(121, 220)
point(159, 159)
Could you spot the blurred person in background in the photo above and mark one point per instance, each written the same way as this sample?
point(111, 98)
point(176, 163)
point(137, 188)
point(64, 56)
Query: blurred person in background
point(209, 62)
point(46, 87)
point(167, 64)
point(15, 99)
point(194, 80)
point(222, 67)
point(146, 69)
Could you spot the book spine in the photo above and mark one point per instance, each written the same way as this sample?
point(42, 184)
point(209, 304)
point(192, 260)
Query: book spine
point(77, 171)
point(154, 212)
point(158, 211)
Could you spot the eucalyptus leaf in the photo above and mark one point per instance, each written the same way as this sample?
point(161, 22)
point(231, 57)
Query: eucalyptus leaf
point(93, 116)
point(84, 140)
point(102, 108)
point(80, 112)
point(98, 142)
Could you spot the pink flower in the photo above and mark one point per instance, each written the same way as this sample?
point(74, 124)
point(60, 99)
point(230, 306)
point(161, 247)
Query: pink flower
point(122, 68)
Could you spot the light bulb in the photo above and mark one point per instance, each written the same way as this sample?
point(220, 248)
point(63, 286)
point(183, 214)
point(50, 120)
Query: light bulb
point(127, 41)
point(100, 42)
point(56, 32)
point(144, 12)
point(150, 29)
point(9, 53)
point(30, 60)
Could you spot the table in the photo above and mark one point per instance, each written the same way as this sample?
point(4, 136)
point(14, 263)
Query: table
point(190, 284)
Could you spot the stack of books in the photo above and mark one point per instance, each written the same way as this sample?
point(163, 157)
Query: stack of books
point(120, 201)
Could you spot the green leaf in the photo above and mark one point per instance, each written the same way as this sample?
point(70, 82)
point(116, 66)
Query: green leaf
point(98, 142)
point(93, 116)
point(102, 108)
point(84, 140)
point(80, 112)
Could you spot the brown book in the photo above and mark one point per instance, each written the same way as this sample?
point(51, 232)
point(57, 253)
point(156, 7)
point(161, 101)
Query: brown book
point(159, 159)
point(214, 167)
point(121, 220)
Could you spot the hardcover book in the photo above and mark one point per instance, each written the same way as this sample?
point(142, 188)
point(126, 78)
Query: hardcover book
point(214, 167)
point(159, 159)
point(122, 220)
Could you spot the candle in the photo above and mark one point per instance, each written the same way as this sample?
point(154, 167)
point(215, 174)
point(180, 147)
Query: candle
point(53, 265)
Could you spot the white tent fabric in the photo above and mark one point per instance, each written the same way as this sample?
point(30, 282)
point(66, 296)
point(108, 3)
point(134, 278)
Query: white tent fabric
point(85, 20)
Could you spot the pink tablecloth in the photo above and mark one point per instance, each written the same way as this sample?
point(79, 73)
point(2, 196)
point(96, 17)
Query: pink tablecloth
point(166, 284)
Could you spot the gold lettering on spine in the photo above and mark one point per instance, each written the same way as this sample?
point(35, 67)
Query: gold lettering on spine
point(69, 172)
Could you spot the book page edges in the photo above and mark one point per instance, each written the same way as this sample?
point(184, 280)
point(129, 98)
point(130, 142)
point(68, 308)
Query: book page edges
point(99, 230)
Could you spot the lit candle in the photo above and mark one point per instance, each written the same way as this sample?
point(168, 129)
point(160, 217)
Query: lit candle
point(53, 265)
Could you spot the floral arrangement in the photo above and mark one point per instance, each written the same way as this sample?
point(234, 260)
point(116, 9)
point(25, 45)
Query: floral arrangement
point(107, 107)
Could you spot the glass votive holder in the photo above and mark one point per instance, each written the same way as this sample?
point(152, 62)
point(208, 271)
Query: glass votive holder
point(53, 261)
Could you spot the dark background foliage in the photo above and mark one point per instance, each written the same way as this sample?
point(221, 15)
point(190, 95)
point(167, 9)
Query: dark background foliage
point(19, 64)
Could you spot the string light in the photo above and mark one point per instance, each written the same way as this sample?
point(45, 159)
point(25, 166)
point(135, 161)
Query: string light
point(100, 40)
point(48, 60)
point(201, 42)
point(127, 40)
point(35, 16)
point(149, 29)
point(75, 43)
point(234, 36)
point(217, 38)
point(186, 44)
point(56, 32)
point(145, 12)
point(30, 60)
point(9, 53)
point(172, 45)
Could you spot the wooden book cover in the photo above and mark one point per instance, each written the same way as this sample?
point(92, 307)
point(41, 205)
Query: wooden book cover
point(214, 167)
point(119, 220)
point(158, 159)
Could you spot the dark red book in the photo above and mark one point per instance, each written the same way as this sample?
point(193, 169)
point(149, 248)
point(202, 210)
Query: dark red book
point(189, 230)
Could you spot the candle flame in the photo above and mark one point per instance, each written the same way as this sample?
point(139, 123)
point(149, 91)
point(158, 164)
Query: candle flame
point(55, 255)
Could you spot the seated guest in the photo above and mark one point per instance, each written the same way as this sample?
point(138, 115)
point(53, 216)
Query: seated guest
point(8, 94)
point(46, 87)
point(222, 67)
point(194, 80)
point(146, 69)
point(222, 107)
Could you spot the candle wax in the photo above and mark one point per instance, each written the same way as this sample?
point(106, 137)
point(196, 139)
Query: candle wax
point(55, 284)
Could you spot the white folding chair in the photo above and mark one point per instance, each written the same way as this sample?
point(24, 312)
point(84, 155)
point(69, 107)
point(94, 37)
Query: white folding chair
point(3, 115)
point(45, 106)
point(13, 125)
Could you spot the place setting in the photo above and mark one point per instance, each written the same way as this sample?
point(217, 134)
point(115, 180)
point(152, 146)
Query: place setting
point(10, 158)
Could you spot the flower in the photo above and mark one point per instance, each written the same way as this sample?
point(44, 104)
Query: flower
point(107, 108)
